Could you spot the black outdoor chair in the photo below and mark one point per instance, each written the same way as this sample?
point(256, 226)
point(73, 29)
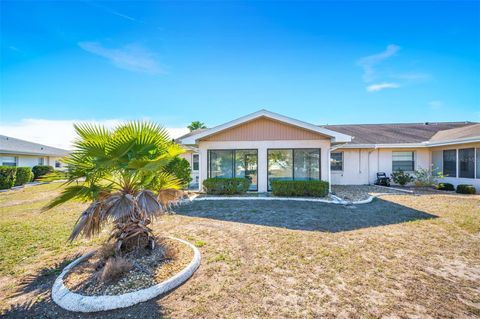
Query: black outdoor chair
point(382, 179)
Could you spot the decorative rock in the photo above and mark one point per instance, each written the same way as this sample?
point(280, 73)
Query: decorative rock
point(75, 302)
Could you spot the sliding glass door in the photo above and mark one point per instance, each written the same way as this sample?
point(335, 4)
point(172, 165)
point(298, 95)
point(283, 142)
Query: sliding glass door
point(234, 163)
point(293, 164)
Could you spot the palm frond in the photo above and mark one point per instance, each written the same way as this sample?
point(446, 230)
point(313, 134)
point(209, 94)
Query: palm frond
point(83, 192)
point(119, 206)
point(148, 204)
point(89, 223)
point(165, 180)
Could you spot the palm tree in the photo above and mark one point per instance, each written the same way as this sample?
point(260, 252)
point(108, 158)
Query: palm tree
point(195, 125)
point(122, 171)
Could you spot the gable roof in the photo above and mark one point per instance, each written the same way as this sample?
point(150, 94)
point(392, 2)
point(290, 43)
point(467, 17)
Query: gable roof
point(457, 133)
point(335, 136)
point(396, 133)
point(11, 145)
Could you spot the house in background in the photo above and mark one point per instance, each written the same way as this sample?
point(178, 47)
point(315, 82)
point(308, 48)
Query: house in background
point(265, 146)
point(16, 152)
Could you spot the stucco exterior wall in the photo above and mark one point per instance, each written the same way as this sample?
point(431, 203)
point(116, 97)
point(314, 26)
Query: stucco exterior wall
point(360, 166)
point(262, 147)
point(33, 160)
point(188, 155)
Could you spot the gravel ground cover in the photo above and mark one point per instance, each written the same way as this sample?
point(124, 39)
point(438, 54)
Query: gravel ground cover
point(401, 256)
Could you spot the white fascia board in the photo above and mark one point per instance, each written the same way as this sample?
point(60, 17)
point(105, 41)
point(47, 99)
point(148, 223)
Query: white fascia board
point(335, 136)
point(375, 146)
point(454, 141)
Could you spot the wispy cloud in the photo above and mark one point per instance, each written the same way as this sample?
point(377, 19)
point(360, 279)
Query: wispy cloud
point(132, 57)
point(369, 62)
point(382, 86)
point(60, 133)
point(110, 10)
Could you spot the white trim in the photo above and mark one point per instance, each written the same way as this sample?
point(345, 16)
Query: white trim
point(455, 141)
point(336, 137)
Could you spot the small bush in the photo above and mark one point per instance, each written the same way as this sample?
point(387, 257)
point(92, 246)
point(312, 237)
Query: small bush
point(466, 189)
point(226, 186)
point(24, 175)
point(445, 187)
point(7, 176)
point(181, 169)
point(401, 178)
point(300, 188)
point(426, 177)
point(114, 268)
point(41, 170)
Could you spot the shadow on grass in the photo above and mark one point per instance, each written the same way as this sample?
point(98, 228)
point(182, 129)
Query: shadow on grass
point(310, 216)
point(33, 300)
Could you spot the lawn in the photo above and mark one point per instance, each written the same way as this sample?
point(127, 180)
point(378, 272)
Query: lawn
point(400, 256)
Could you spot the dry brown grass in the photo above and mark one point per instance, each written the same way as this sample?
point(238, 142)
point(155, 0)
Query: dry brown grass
point(398, 257)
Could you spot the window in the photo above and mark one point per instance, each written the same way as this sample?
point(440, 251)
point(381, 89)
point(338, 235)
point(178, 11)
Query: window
point(450, 163)
point(336, 161)
point(478, 162)
point(403, 161)
point(466, 163)
point(233, 163)
point(306, 164)
point(293, 164)
point(195, 162)
point(9, 160)
point(58, 164)
point(41, 161)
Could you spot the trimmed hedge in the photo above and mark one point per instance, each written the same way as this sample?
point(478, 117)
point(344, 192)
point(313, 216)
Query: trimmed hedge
point(24, 175)
point(41, 170)
point(7, 176)
point(226, 186)
point(300, 188)
point(445, 187)
point(466, 189)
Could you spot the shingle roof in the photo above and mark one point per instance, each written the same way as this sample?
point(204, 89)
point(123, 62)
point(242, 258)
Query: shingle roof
point(179, 139)
point(394, 133)
point(456, 133)
point(11, 145)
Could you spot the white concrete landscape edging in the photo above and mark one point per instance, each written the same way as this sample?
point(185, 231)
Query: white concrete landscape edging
point(336, 200)
point(75, 302)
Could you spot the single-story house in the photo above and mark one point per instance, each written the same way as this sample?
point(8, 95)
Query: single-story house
point(264, 146)
point(16, 152)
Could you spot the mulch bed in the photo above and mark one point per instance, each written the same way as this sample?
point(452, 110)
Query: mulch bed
point(148, 269)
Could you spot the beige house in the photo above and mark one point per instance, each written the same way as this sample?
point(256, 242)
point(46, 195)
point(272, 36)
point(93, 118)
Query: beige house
point(16, 152)
point(265, 146)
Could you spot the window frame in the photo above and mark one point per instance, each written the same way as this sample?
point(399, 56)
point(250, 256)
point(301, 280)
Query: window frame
point(15, 163)
point(269, 188)
point(195, 162)
point(414, 160)
point(343, 158)
point(456, 162)
point(233, 152)
point(459, 162)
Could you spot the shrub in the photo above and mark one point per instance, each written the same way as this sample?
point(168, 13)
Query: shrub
point(466, 189)
point(41, 170)
point(445, 187)
point(24, 175)
point(426, 177)
point(300, 188)
point(181, 169)
point(7, 176)
point(226, 186)
point(401, 178)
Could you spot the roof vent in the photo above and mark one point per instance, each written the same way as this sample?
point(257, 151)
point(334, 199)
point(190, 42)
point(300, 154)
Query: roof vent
point(427, 123)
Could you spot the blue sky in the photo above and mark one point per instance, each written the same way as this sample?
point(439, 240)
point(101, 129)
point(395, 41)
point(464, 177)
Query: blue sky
point(175, 62)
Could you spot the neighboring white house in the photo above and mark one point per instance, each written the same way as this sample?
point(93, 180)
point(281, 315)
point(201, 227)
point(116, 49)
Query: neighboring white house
point(264, 146)
point(16, 152)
